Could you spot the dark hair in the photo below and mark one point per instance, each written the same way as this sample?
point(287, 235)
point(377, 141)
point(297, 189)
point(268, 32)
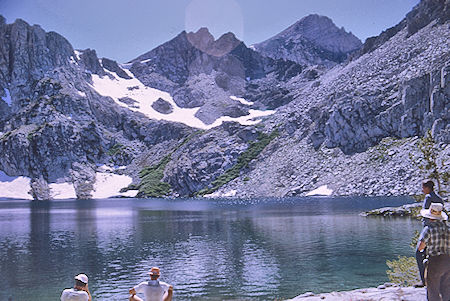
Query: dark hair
point(79, 283)
point(428, 183)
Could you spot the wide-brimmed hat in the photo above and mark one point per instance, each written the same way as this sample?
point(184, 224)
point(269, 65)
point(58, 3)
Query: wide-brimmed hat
point(435, 212)
point(154, 271)
point(82, 277)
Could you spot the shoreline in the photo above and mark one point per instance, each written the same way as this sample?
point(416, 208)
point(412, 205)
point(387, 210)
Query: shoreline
point(387, 291)
point(408, 210)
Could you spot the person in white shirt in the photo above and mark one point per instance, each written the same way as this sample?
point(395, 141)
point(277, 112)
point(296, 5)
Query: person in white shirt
point(80, 291)
point(153, 290)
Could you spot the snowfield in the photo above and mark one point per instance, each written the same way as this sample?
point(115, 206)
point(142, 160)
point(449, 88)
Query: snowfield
point(321, 191)
point(142, 98)
point(7, 97)
point(107, 185)
point(14, 187)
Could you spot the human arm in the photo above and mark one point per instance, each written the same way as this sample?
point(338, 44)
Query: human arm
point(421, 246)
point(86, 289)
point(423, 239)
point(427, 202)
point(168, 295)
point(137, 289)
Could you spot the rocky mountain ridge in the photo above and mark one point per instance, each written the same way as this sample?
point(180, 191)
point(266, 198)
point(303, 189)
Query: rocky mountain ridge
point(313, 40)
point(199, 116)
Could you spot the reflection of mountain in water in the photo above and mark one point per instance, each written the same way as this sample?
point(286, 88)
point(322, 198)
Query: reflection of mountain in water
point(208, 250)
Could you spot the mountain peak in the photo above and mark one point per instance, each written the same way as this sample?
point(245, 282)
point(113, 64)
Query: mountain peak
point(314, 39)
point(204, 41)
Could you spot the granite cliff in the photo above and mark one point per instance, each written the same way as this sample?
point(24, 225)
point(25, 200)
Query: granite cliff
point(309, 108)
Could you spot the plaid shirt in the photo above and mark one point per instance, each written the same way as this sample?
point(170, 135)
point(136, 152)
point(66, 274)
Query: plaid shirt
point(436, 236)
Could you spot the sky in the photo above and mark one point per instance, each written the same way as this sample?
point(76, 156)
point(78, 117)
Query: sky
point(124, 29)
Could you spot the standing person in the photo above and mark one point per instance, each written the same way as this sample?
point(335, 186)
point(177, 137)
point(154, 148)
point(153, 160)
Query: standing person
point(435, 237)
point(430, 197)
point(153, 290)
point(80, 291)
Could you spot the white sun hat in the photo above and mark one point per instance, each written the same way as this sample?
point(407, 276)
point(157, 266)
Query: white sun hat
point(435, 212)
point(82, 277)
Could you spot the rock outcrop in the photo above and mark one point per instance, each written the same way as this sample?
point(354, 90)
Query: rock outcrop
point(387, 291)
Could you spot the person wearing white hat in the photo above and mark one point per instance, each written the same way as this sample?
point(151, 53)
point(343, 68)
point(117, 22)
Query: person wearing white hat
point(153, 290)
point(80, 291)
point(435, 237)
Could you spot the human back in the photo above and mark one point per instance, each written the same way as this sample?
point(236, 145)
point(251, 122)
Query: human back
point(80, 291)
point(71, 294)
point(153, 290)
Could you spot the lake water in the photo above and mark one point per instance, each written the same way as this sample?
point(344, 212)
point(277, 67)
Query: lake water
point(207, 249)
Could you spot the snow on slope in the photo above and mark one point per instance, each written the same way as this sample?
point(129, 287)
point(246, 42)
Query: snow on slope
point(118, 88)
point(322, 191)
point(7, 98)
point(242, 100)
point(106, 185)
point(62, 190)
point(109, 184)
point(14, 187)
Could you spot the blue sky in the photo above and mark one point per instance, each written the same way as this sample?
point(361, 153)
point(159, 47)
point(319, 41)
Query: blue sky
point(124, 29)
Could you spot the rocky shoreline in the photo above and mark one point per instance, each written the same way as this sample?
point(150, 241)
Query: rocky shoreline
point(387, 291)
point(410, 210)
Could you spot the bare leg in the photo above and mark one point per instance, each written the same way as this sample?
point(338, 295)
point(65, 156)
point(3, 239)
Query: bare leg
point(135, 298)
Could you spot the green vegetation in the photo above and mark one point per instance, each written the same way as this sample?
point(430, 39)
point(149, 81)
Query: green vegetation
point(380, 152)
point(255, 148)
point(429, 163)
point(404, 270)
point(115, 149)
point(35, 130)
point(151, 184)
point(246, 179)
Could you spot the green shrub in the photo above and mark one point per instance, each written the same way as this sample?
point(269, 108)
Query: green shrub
point(403, 271)
point(151, 176)
point(254, 149)
point(115, 149)
point(151, 185)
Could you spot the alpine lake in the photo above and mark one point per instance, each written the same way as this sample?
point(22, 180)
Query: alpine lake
point(208, 249)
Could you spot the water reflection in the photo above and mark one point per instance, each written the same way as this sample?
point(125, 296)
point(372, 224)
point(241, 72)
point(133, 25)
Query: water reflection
point(206, 250)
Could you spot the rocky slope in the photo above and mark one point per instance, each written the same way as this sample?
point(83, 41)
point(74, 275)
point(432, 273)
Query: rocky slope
point(56, 127)
point(204, 73)
point(335, 126)
point(199, 116)
point(314, 40)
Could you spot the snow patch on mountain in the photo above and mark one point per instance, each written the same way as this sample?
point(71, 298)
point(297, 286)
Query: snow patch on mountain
point(7, 98)
point(321, 191)
point(134, 95)
point(14, 187)
point(242, 100)
point(77, 54)
point(62, 191)
point(109, 185)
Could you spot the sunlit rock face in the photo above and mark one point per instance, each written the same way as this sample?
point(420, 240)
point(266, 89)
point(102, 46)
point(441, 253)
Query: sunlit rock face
point(197, 107)
point(313, 40)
